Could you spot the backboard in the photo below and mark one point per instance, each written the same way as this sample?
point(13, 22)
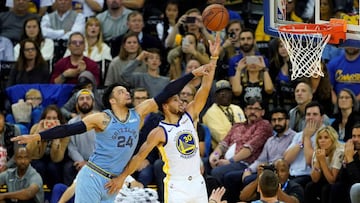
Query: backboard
point(275, 16)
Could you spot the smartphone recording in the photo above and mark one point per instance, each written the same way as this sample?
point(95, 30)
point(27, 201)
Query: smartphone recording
point(190, 19)
point(232, 35)
point(252, 59)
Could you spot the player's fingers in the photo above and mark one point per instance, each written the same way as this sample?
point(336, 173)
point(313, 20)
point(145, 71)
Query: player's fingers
point(110, 189)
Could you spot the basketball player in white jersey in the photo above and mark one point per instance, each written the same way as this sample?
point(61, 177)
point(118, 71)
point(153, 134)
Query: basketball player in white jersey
point(177, 140)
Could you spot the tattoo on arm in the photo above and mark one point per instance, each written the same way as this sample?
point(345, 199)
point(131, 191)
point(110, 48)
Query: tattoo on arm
point(106, 120)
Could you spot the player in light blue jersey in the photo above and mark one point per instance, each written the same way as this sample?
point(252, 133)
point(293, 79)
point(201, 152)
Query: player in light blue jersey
point(177, 140)
point(117, 134)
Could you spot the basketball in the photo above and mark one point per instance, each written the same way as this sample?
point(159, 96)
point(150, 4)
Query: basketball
point(215, 17)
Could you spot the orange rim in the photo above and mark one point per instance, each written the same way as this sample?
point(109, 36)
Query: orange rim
point(305, 28)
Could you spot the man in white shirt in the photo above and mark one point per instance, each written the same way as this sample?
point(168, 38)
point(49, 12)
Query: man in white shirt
point(62, 22)
point(300, 151)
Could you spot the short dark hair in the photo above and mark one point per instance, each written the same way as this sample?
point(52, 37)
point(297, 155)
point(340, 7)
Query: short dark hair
point(253, 100)
point(75, 33)
point(280, 110)
point(268, 183)
point(248, 30)
point(154, 51)
point(356, 125)
point(53, 107)
point(139, 89)
point(314, 104)
point(134, 13)
point(108, 93)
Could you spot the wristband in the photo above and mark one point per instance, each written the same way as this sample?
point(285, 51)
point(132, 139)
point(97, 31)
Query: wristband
point(214, 57)
point(212, 201)
point(63, 131)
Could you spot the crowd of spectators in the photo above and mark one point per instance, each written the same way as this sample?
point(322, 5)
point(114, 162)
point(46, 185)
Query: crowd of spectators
point(256, 117)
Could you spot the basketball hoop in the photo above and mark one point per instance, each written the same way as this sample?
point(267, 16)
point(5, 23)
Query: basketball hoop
point(306, 42)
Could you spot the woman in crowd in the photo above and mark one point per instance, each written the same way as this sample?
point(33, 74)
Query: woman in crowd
point(321, 87)
point(171, 16)
point(130, 49)
point(47, 156)
point(190, 49)
point(252, 80)
point(32, 30)
point(95, 48)
point(230, 48)
point(30, 67)
point(326, 163)
point(194, 25)
point(346, 114)
point(280, 73)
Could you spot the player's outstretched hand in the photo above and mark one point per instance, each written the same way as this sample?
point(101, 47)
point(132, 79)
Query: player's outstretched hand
point(24, 139)
point(214, 47)
point(115, 184)
point(216, 195)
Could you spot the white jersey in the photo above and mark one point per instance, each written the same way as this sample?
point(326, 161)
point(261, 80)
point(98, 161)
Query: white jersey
point(181, 149)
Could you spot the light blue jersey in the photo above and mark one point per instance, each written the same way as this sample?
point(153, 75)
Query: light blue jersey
point(116, 144)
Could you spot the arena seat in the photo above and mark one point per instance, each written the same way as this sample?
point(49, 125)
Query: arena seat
point(52, 93)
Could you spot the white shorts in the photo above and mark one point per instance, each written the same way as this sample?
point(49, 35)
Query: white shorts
point(189, 189)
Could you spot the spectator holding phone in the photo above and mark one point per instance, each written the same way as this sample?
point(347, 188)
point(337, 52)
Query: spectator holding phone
point(190, 22)
point(252, 79)
point(190, 49)
point(230, 47)
point(47, 155)
point(249, 77)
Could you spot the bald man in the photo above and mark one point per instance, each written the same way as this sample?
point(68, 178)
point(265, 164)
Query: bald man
point(23, 182)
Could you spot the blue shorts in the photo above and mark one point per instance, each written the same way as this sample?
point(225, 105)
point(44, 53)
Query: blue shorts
point(90, 187)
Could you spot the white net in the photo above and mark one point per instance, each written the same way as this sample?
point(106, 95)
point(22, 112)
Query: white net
point(305, 51)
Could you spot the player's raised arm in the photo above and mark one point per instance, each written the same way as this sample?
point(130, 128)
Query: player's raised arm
point(174, 87)
point(155, 137)
point(95, 121)
point(195, 107)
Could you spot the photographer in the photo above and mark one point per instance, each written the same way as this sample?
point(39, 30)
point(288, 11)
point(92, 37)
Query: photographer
point(289, 192)
point(273, 150)
point(275, 146)
point(190, 22)
point(230, 47)
point(248, 139)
